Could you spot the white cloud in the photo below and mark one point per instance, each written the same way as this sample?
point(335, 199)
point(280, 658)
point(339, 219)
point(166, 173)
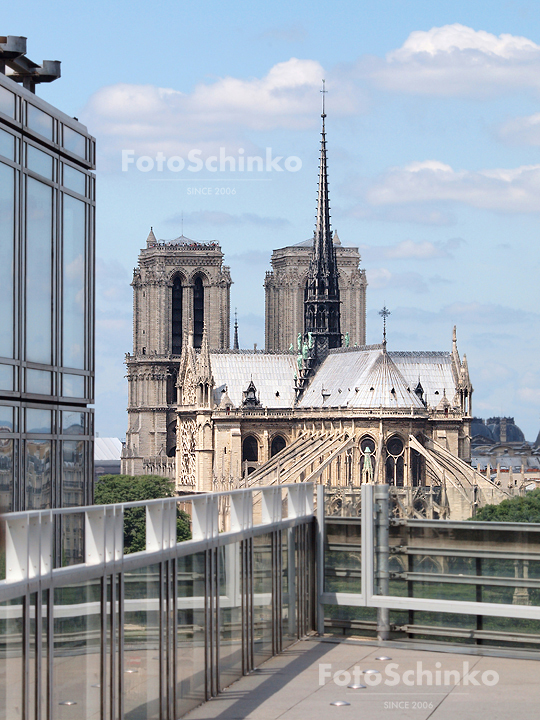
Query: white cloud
point(525, 130)
point(502, 189)
point(460, 37)
point(150, 119)
point(457, 60)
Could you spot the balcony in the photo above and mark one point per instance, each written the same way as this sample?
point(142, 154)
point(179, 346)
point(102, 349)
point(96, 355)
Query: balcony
point(264, 593)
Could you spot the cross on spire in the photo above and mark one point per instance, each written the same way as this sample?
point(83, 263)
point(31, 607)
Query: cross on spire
point(323, 93)
point(384, 313)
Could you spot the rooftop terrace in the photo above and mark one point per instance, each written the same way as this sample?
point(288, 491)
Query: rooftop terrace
point(287, 687)
point(90, 631)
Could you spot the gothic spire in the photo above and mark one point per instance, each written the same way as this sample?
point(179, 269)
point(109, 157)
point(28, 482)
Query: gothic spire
point(205, 367)
point(322, 305)
point(323, 245)
point(236, 346)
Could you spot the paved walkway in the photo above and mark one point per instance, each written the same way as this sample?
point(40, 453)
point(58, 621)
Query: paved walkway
point(288, 687)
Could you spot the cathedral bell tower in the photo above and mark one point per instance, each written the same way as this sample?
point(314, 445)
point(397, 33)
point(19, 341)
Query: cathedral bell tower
point(181, 303)
point(321, 300)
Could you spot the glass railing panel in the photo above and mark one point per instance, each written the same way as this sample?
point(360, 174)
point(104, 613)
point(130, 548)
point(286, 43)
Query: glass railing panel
point(184, 513)
point(343, 502)
point(343, 557)
point(141, 643)
point(262, 598)
point(32, 648)
point(520, 631)
point(442, 626)
point(76, 650)
point(288, 595)
point(475, 564)
point(284, 504)
point(230, 614)
point(190, 634)
point(349, 620)
point(134, 529)
point(11, 659)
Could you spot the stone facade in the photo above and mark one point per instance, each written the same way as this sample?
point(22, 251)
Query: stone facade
point(237, 410)
point(285, 288)
point(178, 288)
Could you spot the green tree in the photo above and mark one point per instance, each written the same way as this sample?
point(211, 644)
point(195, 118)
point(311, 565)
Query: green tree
point(129, 488)
point(518, 509)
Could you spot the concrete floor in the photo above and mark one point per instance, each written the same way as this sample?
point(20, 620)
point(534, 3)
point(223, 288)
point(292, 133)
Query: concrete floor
point(288, 687)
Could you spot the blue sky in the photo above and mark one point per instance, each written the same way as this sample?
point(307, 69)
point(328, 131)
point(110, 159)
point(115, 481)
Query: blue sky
point(434, 160)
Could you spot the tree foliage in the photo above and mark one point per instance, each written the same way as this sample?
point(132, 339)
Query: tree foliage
point(518, 509)
point(130, 488)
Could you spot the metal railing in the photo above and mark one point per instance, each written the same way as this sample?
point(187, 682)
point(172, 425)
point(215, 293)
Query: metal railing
point(405, 578)
point(154, 633)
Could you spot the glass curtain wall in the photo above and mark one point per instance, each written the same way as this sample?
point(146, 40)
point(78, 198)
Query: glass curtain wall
point(47, 202)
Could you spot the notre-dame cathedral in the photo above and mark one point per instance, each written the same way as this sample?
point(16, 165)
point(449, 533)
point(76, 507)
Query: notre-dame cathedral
point(316, 404)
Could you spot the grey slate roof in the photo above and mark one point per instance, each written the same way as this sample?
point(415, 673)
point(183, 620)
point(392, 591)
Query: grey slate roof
point(271, 374)
point(365, 378)
point(434, 369)
point(356, 378)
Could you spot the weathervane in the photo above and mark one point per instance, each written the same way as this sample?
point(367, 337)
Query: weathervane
point(384, 313)
point(323, 92)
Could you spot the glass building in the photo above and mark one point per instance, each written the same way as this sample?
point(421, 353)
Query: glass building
point(47, 238)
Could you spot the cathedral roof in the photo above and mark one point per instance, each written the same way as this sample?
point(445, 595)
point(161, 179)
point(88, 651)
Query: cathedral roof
point(272, 375)
point(366, 378)
point(345, 378)
point(433, 369)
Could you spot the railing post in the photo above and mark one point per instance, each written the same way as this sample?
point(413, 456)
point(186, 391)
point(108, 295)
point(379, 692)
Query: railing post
point(241, 511)
point(205, 517)
point(161, 525)
point(319, 558)
point(382, 523)
point(17, 556)
point(29, 544)
point(300, 499)
point(94, 536)
point(271, 505)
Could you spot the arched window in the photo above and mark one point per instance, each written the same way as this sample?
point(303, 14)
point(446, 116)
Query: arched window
point(250, 449)
point(278, 443)
point(394, 461)
point(332, 320)
point(198, 312)
point(417, 468)
point(176, 314)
